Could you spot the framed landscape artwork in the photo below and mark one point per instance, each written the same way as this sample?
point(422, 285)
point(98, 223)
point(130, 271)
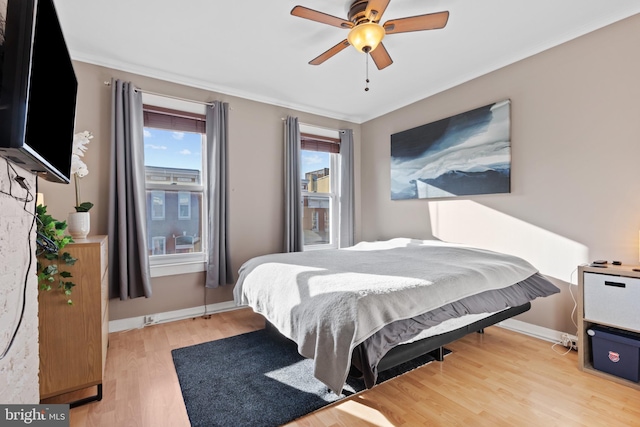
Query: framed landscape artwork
point(466, 154)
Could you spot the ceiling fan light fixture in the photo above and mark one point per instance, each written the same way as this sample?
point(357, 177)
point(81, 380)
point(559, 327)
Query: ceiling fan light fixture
point(366, 37)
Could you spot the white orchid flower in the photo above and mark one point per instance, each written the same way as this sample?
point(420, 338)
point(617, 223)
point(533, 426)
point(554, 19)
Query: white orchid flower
point(78, 167)
point(80, 141)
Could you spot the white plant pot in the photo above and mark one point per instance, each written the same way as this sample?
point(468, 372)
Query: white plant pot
point(79, 224)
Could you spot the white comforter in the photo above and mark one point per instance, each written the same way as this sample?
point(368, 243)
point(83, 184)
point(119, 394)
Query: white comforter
point(330, 301)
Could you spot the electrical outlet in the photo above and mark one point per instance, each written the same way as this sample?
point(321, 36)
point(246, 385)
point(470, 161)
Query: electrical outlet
point(570, 341)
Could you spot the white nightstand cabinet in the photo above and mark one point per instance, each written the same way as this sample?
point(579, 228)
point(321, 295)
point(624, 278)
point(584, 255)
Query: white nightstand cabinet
point(609, 297)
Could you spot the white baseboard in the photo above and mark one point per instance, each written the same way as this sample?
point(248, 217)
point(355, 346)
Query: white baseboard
point(170, 316)
point(188, 313)
point(532, 330)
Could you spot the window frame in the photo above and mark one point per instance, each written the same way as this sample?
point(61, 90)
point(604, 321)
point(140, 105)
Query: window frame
point(181, 263)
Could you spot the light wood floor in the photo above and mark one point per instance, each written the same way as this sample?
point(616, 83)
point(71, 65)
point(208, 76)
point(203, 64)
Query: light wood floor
point(501, 378)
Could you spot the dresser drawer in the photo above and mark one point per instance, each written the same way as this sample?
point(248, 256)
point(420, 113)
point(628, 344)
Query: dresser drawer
point(612, 300)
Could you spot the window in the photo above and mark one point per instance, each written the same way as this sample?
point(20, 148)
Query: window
point(157, 205)
point(184, 205)
point(319, 185)
point(175, 179)
point(158, 245)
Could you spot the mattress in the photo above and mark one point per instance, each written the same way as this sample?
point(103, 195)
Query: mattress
point(330, 301)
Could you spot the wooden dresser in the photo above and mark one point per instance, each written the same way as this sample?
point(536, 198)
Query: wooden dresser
point(73, 338)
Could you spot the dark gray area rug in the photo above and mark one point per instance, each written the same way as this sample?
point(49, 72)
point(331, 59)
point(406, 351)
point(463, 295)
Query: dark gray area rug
point(256, 379)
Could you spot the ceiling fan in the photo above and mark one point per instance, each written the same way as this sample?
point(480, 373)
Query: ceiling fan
point(366, 32)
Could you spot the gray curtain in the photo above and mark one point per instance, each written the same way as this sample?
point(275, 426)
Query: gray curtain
point(293, 235)
point(129, 274)
point(347, 231)
point(219, 270)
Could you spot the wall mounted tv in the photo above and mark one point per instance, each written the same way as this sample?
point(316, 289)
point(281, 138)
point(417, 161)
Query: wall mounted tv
point(38, 89)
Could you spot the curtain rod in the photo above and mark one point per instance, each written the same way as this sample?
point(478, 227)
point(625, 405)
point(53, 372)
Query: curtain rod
point(315, 126)
point(167, 96)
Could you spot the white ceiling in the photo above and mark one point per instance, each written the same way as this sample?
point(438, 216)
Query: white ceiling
point(255, 49)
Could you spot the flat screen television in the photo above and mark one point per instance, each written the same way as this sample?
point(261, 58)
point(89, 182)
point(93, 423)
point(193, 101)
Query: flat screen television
point(38, 89)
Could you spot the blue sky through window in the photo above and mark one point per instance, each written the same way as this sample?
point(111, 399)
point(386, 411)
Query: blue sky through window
point(165, 148)
point(313, 160)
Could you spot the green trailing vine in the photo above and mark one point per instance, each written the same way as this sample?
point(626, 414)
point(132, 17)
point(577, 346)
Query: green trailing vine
point(51, 240)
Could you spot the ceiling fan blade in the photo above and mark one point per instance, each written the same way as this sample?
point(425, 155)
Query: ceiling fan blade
point(381, 57)
point(314, 15)
point(431, 21)
point(375, 9)
point(329, 53)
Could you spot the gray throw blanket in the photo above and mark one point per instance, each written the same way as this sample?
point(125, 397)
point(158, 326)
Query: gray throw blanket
point(330, 301)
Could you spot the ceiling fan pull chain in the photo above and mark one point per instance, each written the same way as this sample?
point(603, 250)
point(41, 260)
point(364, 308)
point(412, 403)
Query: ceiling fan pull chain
point(366, 88)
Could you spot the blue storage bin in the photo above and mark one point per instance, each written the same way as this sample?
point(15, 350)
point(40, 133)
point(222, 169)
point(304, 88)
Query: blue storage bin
point(616, 352)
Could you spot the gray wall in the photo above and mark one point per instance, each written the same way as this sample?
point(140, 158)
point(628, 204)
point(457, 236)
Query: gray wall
point(575, 117)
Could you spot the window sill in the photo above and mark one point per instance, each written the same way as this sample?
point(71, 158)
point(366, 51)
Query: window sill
point(161, 270)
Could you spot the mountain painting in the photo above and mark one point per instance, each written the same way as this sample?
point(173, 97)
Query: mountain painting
point(466, 154)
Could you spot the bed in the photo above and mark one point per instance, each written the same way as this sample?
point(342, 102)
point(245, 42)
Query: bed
point(377, 304)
